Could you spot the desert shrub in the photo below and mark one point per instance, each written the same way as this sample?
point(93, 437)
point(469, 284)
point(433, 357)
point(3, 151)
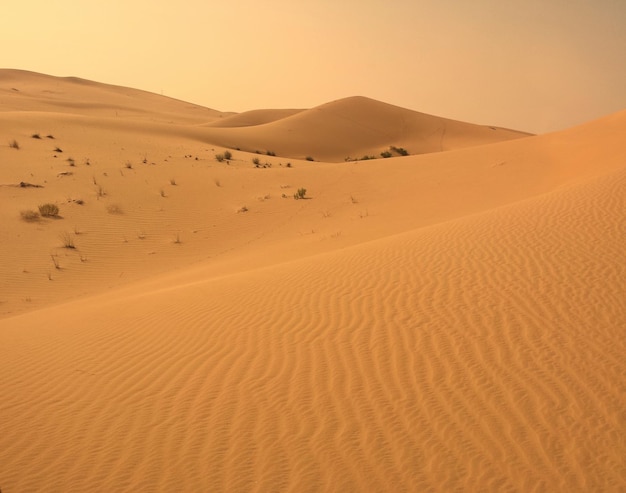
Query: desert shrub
point(14, 144)
point(67, 240)
point(256, 161)
point(399, 150)
point(220, 157)
point(49, 136)
point(228, 155)
point(309, 158)
point(36, 136)
point(270, 153)
point(367, 158)
point(30, 216)
point(58, 149)
point(300, 193)
point(49, 210)
point(386, 154)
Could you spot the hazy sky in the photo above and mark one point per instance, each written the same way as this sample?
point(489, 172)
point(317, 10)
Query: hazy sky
point(535, 65)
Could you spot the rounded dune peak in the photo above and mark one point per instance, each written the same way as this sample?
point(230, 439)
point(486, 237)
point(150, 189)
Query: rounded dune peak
point(353, 128)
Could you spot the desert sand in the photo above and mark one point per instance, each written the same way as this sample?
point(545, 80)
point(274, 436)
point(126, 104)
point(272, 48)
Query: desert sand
point(449, 320)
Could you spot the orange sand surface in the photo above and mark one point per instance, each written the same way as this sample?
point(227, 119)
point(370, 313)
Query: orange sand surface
point(450, 320)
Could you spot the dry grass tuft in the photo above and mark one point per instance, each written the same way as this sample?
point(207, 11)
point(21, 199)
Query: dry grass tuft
point(30, 216)
point(49, 210)
point(67, 240)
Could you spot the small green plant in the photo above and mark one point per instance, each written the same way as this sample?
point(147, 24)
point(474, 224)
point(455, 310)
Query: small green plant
point(14, 144)
point(49, 210)
point(299, 194)
point(30, 216)
point(228, 155)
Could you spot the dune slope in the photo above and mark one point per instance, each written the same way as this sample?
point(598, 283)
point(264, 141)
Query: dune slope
point(479, 354)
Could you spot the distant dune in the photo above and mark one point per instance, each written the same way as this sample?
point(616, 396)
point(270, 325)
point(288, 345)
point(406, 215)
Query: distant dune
point(450, 320)
point(352, 128)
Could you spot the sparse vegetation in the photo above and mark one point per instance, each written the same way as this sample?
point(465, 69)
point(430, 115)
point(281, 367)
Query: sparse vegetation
point(49, 210)
point(36, 136)
point(300, 194)
point(309, 158)
point(270, 153)
point(228, 155)
point(399, 150)
point(67, 240)
point(220, 158)
point(30, 216)
point(50, 136)
point(386, 154)
point(256, 161)
point(58, 149)
point(14, 144)
point(71, 161)
point(243, 209)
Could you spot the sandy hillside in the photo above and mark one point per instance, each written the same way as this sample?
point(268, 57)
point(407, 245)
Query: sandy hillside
point(452, 321)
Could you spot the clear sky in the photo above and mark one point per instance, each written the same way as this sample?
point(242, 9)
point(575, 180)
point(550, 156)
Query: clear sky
point(535, 65)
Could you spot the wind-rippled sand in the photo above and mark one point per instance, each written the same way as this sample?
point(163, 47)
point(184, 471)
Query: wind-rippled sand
point(445, 322)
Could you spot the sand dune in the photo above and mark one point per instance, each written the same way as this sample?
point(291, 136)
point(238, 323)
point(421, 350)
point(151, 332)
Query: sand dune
point(29, 91)
point(356, 127)
point(451, 321)
point(253, 118)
